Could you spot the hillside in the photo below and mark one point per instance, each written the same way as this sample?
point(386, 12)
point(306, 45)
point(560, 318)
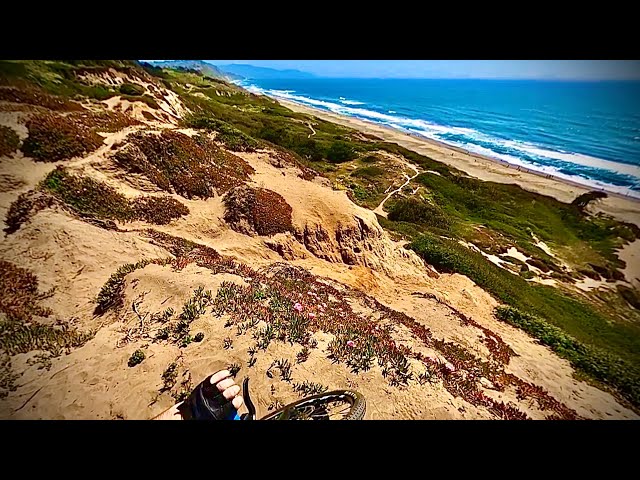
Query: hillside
point(162, 211)
point(252, 72)
point(204, 68)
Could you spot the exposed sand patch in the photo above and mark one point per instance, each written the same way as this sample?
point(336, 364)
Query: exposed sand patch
point(587, 284)
point(630, 254)
point(73, 256)
point(515, 253)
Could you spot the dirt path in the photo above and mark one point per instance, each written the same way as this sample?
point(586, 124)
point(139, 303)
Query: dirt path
point(379, 209)
point(312, 130)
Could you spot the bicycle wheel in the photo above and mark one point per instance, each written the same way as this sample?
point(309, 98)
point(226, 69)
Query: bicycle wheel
point(336, 405)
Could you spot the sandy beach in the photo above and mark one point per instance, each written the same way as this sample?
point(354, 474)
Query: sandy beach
point(480, 166)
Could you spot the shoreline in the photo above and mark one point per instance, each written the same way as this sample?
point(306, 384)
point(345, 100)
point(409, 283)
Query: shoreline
point(483, 167)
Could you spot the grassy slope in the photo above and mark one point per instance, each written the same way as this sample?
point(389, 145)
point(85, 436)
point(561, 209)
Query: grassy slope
point(506, 212)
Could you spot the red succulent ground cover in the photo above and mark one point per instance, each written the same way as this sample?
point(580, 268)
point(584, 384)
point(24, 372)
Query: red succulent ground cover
point(54, 137)
point(190, 166)
point(20, 328)
point(257, 210)
point(9, 141)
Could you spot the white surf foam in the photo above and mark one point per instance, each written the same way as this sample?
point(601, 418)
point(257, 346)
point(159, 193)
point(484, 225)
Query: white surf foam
point(439, 132)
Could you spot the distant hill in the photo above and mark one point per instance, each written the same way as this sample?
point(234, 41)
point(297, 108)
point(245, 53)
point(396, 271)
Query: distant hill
point(253, 72)
point(202, 67)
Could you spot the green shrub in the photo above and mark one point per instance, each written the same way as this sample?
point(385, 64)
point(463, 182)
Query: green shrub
point(132, 89)
point(136, 358)
point(231, 137)
point(169, 376)
point(54, 137)
point(581, 201)
point(16, 337)
point(370, 159)
point(539, 264)
point(7, 377)
point(9, 141)
point(97, 92)
point(91, 198)
point(517, 213)
point(527, 274)
point(360, 194)
point(341, 151)
point(111, 295)
point(417, 211)
point(87, 196)
point(368, 172)
point(24, 207)
point(576, 318)
point(146, 99)
point(631, 296)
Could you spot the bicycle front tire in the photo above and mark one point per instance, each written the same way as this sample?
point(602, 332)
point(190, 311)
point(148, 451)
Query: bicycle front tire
point(315, 407)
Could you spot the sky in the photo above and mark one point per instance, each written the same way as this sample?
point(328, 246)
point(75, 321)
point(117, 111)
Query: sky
point(590, 70)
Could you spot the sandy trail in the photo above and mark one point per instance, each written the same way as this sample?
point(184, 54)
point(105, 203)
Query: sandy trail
point(378, 210)
point(312, 130)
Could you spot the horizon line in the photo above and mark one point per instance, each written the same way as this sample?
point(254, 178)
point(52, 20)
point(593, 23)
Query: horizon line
point(510, 79)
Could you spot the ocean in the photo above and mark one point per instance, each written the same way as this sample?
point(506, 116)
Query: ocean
point(588, 133)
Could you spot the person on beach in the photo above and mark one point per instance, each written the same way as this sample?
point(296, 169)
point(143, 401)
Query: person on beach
point(222, 400)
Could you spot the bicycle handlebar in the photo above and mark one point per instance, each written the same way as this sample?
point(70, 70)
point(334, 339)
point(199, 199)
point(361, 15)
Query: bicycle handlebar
point(251, 415)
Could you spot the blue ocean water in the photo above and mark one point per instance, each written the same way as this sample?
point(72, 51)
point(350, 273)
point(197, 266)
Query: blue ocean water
point(585, 132)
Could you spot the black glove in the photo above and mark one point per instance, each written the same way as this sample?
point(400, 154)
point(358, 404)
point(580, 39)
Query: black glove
point(206, 402)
